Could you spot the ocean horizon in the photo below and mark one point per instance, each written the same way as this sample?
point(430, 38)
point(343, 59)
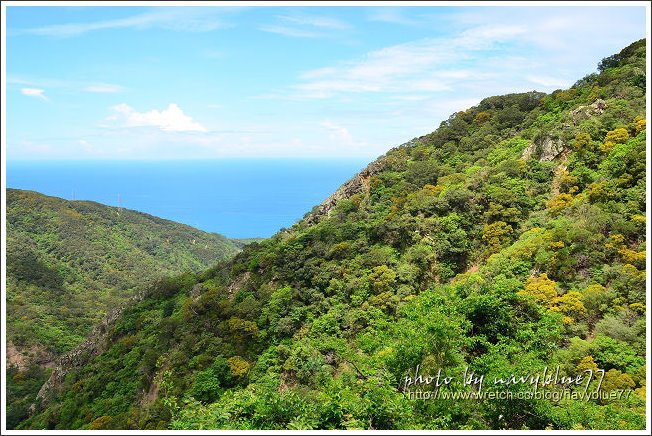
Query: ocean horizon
point(238, 198)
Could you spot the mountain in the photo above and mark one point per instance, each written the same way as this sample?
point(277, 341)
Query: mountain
point(508, 244)
point(69, 263)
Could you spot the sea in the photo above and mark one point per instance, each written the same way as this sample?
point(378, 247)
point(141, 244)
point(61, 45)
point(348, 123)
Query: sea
point(238, 198)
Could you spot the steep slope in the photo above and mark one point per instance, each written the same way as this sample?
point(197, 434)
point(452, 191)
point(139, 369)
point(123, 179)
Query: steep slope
point(509, 240)
point(70, 262)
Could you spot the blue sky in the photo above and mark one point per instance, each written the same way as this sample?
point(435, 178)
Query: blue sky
point(197, 83)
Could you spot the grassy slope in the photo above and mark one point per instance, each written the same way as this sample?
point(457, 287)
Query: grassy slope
point(462, 249)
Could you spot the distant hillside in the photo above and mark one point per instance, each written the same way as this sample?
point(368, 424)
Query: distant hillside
point(241, 242)
point(70, 262)
point(508, 242)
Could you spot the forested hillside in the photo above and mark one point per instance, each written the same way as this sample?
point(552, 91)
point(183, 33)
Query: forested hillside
point(510, 239)
point(69, 263)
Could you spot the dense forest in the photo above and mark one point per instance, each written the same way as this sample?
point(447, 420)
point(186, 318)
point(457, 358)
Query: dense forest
point(70, 263)
point(509, 240)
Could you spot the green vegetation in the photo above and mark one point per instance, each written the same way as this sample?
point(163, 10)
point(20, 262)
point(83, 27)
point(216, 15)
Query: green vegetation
point(241, 242)
point(510, 239)
point(71, 262)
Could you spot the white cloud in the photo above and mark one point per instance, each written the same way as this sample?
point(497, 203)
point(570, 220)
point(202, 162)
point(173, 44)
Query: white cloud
point(171, 119)
point(498, 58)
point(487, 36)
point(340, 135)
point(391, 15)
point(103, 88)
point(31, 148)
point(547, 81)
point(34, 92)
point(392, 93)
point(67, 85)
point(188, 19)
point(419, 66)
point(561, 35)
point(315, 21)
point(306, 26)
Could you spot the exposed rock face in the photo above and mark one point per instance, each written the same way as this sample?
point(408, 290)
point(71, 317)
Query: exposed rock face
point(357, 185)
point(197, 290)
point(238, 283)
point(529, 151)
point(94, 345)
point(22, 357)
point(548, 150)
point(98, 341)
point(584, 112)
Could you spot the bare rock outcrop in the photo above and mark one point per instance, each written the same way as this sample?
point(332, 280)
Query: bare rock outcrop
point(23, 357)
point(359, 184)
point(550, 148)
point(547, 150)
point(238, 283)
point(584, 112)
point(96, 343)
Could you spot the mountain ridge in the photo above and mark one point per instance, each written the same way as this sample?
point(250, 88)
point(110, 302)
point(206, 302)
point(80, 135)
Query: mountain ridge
point(509, 239)
point(71, 262)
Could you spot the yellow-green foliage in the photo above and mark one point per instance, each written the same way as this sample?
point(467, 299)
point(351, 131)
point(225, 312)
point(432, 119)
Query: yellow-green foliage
point(587, 363)
point(566, 95)
point(382, 279)
point(312, 328)
point(570, 305)
point(481, 117)
point(238, 366)
point(559, 203)
point(100, 423)
point(616, 244)
point(496, 235)
point(542, 289)
point(641, 375)
point(617, 380)
point(633, 272)
point(568, 183)
point(598, 191)
point(582, 141)
point(386, 301)
point(433, 190)
point(636, 258)
point(595, 93)
point(241, 328)
point(596, 298)
point(616, 136)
